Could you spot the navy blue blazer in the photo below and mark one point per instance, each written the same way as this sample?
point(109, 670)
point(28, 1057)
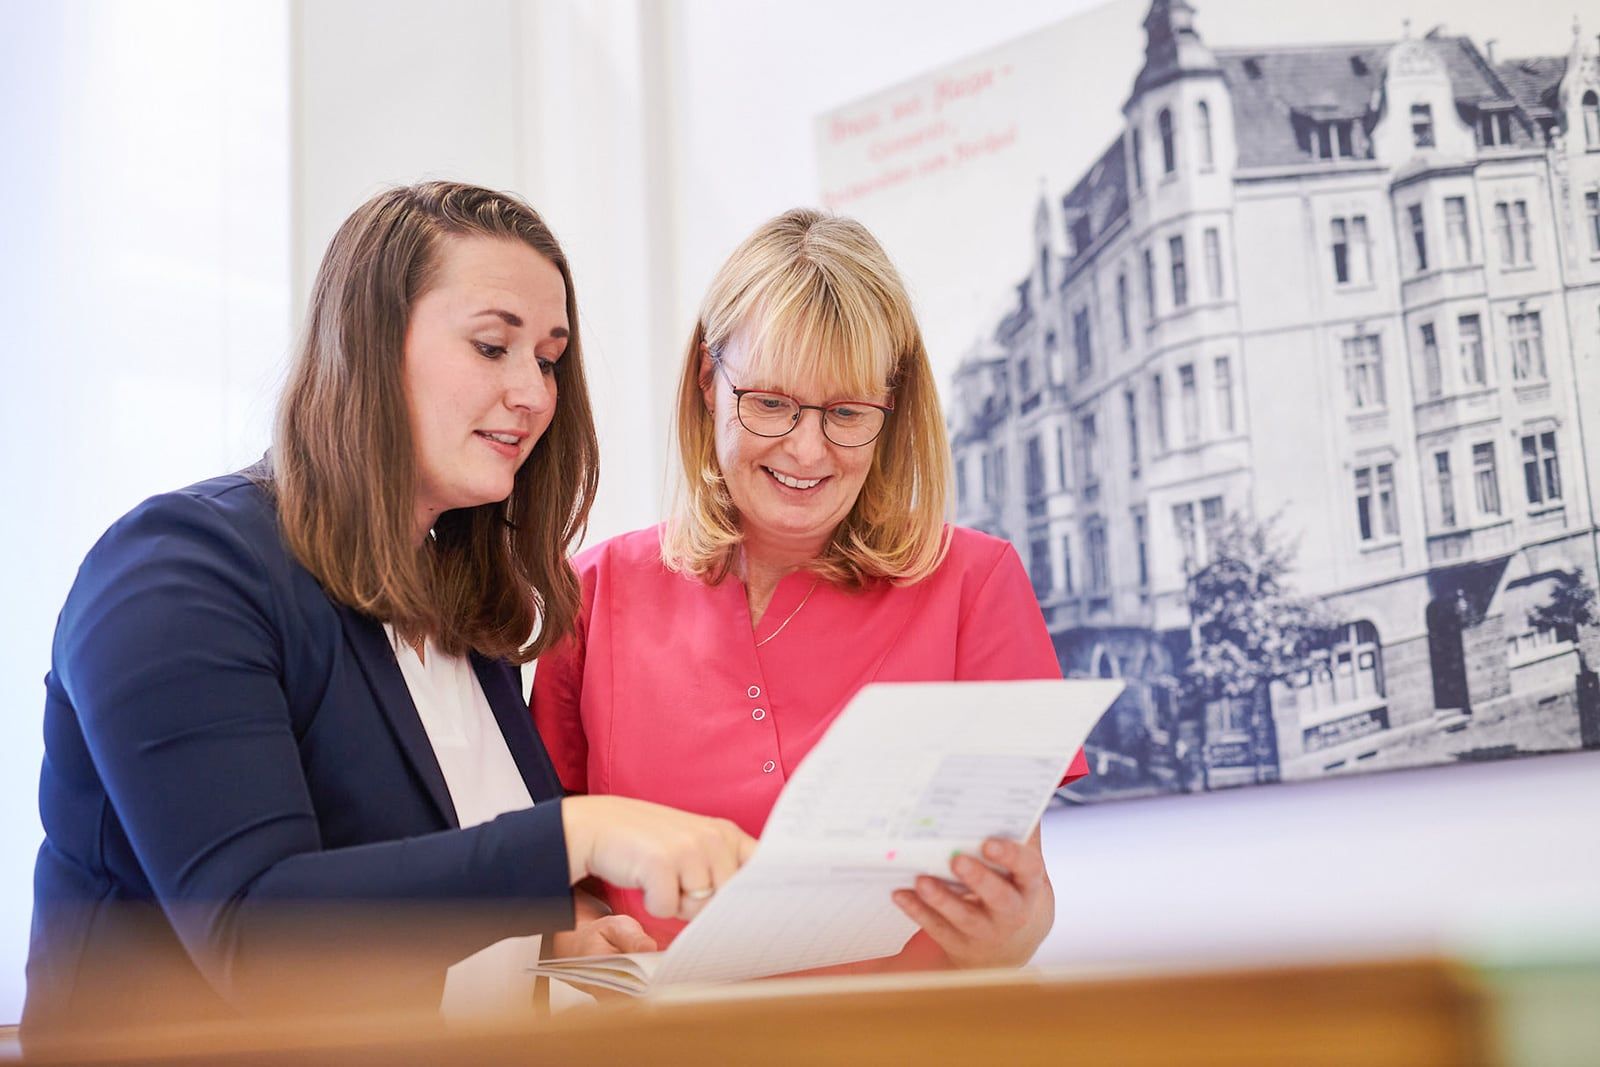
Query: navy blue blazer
point(229, 753)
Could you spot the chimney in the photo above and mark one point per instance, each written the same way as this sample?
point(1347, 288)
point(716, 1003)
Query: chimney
point(1489, 47)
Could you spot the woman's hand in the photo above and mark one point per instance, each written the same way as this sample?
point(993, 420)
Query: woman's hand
point(1001, 918)
point(678, 859)
point(597, 932)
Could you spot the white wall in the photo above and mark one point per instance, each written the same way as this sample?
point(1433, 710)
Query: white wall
point(144, 296)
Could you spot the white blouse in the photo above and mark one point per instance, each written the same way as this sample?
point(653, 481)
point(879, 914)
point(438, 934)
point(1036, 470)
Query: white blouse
point(484, 782)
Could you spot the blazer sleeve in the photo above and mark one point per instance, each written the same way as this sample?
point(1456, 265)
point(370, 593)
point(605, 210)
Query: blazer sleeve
point(171, 648)
point(1002, 635)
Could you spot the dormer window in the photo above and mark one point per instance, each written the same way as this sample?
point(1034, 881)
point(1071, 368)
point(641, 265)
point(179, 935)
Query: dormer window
point(1136, 151)
point(1494, 128)
point(1422, 125)
point(1334, 139)
point(1169, 146)
point(1203, 125)
point(1591, 119)
point(1081, 237)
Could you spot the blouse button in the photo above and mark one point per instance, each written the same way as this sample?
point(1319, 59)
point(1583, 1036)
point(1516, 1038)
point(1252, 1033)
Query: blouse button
point(768, 767)
point(753, 692)
point(759, 714)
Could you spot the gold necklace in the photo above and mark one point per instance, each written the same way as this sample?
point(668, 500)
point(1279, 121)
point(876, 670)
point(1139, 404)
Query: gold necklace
point(792, 614)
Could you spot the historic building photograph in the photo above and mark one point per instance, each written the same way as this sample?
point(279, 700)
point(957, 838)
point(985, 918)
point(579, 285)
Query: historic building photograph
point(1295, 419)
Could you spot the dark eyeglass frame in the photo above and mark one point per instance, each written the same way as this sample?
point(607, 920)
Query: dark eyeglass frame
point(800, 409)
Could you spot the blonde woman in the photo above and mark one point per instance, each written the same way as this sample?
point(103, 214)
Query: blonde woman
point(287, 758)
point(807, 555)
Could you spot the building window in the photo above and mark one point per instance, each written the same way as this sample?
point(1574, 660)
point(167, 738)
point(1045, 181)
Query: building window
point(1131, 403)
point(1422, 125)
point(1158, 410)
point(1222, 373)
point(1094, 535)
point(1089, 451)
point(1039, 568)
point(1531, 643)
point(1457, 232)
point(1485, 479)
point(1080, 342)
point(1203, 127)
point(1527, 347)
point(1363, 372)
point(1188, 540)
point(1149, 286)
point(1169, 144)
point(1591, 201)
point(1197, 540)
point(1541, 468)
point(1447, 489)
point(1474, 368)
point(1376, 514)
point(1180, 273)
point(1213, 240)
point(1189, 403)
point(1432, 373)
point(1061, 457)
point(1349, 672)
point(1352, 252)
point(1122, 309)
point(1052, 359)
point(1025, 375)
point(1515, 231)
point(1591, 119)
point(1141, 542)
point(994, 475)
point(1033, 468)
point(1135, 153)
point(1333, 139)
point(1419, 237)
point(1494, 128)
point(961, 483)
point(1066, 565)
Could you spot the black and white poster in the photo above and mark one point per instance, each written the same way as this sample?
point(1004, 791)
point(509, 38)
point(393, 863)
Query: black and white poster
point(1271, 339)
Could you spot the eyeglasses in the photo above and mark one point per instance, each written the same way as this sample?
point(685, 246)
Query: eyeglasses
point(847, 423)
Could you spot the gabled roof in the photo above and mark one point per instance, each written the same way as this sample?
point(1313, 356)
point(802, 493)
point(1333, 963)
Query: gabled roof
point(1270, 87)
point(1534, 82)
point(1101, 195)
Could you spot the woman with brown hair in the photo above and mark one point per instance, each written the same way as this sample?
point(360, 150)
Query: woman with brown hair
point(284, 728)
point(807, 555)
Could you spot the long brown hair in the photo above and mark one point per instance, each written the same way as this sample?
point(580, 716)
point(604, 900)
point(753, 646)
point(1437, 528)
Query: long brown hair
point(343, 470)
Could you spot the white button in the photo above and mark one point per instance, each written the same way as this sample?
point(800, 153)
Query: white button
point(753, 692)
point(768, 767)
point(759, 714)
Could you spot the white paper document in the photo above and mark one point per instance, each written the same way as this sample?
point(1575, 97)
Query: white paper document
point(908, 775)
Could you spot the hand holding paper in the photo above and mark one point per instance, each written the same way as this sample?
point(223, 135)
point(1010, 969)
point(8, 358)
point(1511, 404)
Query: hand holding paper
point(907, 777)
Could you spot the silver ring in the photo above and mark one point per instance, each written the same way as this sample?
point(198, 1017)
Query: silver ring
point(698, 894)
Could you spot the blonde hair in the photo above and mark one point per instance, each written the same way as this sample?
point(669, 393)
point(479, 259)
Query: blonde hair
point(342, 470)
point(810, 294)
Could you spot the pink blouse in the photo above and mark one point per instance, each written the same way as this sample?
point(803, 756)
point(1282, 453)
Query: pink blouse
point(665, 693)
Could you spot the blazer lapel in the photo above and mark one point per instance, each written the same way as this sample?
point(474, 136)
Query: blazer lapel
point(377, 661)
point(501, 686)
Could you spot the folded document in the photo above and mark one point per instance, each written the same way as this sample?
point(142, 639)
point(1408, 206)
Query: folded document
point(908, 775)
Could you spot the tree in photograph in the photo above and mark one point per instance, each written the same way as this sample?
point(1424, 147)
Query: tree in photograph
point(1573, 611)
point(1248, 627)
